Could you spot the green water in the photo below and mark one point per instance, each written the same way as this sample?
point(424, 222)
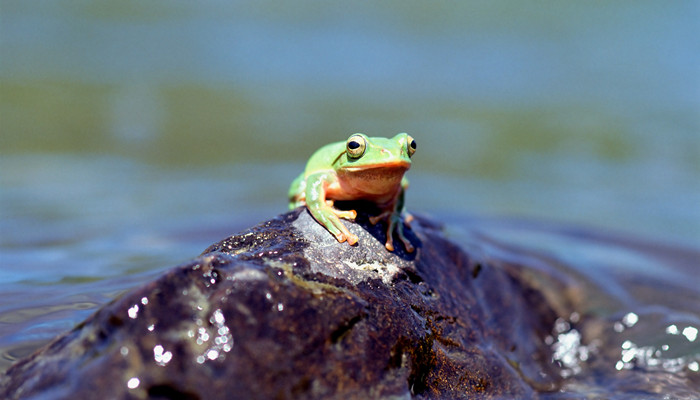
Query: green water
point(134, 134)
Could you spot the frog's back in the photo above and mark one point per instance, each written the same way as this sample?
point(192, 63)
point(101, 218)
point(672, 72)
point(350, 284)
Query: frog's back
point(321, 160)
point(324, 158)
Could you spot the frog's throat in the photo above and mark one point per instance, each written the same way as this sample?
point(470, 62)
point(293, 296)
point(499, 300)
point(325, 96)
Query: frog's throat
point(375, 184)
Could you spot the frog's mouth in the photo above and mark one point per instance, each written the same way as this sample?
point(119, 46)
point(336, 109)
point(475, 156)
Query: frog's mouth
point(375, 171)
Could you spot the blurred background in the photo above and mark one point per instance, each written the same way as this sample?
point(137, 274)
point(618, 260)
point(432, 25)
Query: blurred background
point(135, 133)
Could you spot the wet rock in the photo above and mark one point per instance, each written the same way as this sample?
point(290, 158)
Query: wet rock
point(285, 311)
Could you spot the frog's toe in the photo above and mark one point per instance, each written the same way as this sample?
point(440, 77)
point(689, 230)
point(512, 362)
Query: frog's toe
point(350, 214)
point(389, 245)
point(389, 238)
point(341, 232)
point(406, 243)
point(346, 237)
point(352, 239)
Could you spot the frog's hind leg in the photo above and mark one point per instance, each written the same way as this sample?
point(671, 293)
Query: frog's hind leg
point(406, 243)
point(297, 192)
point(393, 220)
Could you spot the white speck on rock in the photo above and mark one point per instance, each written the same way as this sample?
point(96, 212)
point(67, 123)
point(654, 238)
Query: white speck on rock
point(386, 272)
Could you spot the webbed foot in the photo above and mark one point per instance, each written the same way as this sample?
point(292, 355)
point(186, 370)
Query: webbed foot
point(329, 217)
point(394, 221)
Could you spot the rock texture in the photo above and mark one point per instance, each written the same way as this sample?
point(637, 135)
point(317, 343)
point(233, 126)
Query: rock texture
point(284, 311)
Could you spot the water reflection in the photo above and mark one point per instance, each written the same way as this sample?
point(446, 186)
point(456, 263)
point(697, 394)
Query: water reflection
point(654, 344)
point(221, 338)
point(133, 311)
point(133, 383)
point(690, 332)
point(161, 356)
point(567, 347)
point(628, 321)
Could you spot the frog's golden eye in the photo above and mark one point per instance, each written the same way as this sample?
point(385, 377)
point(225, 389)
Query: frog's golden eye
point(410, 145)
point(356, 146)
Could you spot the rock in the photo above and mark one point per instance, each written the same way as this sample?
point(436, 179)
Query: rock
point(285, 311)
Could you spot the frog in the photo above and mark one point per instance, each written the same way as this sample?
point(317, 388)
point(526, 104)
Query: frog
point(360, 168)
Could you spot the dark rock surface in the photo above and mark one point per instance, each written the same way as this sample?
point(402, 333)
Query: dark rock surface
point(285, 311)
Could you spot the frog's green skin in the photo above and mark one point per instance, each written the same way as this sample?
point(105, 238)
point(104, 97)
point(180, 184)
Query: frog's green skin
point(361, 168)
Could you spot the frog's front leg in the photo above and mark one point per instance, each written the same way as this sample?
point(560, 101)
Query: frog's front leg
point(322, 209)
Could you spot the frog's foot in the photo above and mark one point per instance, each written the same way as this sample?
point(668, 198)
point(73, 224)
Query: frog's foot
point(349, 237)
point(342, 234)
point(328, 218)
point(349, 214)
point(406, 243)
point(394, 221)
point(340, 231)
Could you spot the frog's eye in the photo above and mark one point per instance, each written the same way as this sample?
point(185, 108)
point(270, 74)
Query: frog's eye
point(410, 145)
point(356, 146)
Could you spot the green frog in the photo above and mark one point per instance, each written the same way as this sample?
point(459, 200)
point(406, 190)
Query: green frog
point(360, 168)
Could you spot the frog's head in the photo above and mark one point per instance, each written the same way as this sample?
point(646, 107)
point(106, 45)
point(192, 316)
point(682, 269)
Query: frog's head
point(375, 165)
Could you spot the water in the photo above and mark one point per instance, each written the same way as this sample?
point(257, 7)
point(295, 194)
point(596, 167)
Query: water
point(634, 331)
point(132, 137)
